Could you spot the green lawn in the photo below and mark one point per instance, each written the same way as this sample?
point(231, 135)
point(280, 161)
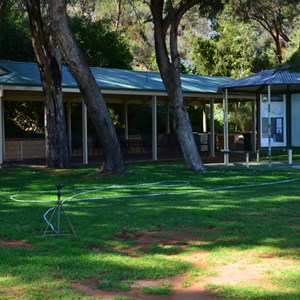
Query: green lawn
point(238, 215)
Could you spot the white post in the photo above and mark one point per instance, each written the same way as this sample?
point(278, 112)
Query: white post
point(84, 135)
point(212, 128)
point(269, 126)
point(154, 128)
point(204, 119)
point(290, 156)
point(1, 127)
point(225, 111)
point(126, 121)
point(247, 159)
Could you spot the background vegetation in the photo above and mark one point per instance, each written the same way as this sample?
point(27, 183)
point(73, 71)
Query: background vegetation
point(233, 43)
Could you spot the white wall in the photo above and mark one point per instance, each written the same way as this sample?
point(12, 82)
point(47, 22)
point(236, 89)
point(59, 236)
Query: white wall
point(295, 120)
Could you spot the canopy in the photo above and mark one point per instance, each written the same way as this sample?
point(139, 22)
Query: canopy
point(279, 78)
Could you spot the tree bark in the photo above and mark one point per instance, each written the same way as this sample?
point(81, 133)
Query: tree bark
point(169, 66)
point(96, 106)
point(48, 60)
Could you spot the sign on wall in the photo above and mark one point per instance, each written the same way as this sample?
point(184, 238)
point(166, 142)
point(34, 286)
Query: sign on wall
point(277, 121)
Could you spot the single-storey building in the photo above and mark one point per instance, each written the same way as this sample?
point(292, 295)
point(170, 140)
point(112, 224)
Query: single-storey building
point(20, 81)
point(276, 115)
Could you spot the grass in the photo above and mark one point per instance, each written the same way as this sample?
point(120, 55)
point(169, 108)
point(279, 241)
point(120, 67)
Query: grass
point(161, 289)
point(232, 223)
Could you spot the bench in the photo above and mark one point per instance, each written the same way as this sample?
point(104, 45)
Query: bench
point(227, 152)
point(288, 150)
point(247, 153)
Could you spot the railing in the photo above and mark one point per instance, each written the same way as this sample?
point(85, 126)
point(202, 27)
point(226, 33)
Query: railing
point(24, 148)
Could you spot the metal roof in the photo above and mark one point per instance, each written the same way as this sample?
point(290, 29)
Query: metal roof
point(280, 78)
point(26, 74)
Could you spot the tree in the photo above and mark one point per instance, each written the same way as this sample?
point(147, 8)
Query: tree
point(101, 46)
point(96, 106)
point(133, 20)
point(49, 62)
point(15, 37)
point(1, 10)
point(166, 21)
point(275, 16)
point(233, 49)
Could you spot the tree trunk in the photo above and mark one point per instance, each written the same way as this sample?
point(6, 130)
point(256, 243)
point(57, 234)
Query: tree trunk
point(92, 95)
point(182, 123)
point(169, 66)
point(48, 59)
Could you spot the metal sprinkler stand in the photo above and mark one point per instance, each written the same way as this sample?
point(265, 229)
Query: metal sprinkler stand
point(58, 209)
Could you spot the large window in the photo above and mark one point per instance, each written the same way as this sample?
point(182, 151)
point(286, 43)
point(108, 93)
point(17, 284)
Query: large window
point(277, 121)
point(295, 120)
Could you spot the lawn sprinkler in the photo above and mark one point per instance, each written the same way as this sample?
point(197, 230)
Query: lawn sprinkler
point(58, 213)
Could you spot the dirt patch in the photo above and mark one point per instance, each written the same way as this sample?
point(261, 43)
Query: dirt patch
point(245, 270)
point(194, 292)
point(15, 244)
point(178, 240)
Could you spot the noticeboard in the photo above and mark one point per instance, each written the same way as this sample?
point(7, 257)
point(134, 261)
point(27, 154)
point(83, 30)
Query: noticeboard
point(277, 121)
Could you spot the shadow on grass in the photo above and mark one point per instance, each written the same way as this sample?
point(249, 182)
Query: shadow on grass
point(241, 219)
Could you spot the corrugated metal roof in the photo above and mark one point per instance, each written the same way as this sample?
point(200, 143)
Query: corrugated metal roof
point(267, 77)
point(27, 74)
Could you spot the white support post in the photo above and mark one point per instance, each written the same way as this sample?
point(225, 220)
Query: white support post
point(1, 127)
point(204, 124)
point(126, 121)
point(269, 127)
point(290, 156)
point(212, 128)
point(154, 128)
point(247, 159)
point(225, 112)
point(84, 135)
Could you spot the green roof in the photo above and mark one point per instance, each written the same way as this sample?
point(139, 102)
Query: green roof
point(25, 74)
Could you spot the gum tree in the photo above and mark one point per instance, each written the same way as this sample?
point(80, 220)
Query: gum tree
point(274, 16)
point(49, 61)
point(78, 67)
point(166, 19)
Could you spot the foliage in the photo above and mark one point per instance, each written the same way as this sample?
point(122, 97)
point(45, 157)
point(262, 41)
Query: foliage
point(101, 46)
point(233, 49)
point(294, 62)
point(134, 21)
point(24, 119)
point(15, 39)
point(274, 16)
point(210, 8)
point(240, 117)
point(140, 118)
point(256, 217)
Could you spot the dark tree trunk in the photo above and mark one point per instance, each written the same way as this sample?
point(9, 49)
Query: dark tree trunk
point(169, 66)
point(1, 10)
point(92, 95)
point(49, 62)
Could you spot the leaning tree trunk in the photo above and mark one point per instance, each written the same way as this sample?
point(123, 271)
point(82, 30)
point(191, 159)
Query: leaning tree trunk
point(92, 95)
point(169, 66)
point(49, 62)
